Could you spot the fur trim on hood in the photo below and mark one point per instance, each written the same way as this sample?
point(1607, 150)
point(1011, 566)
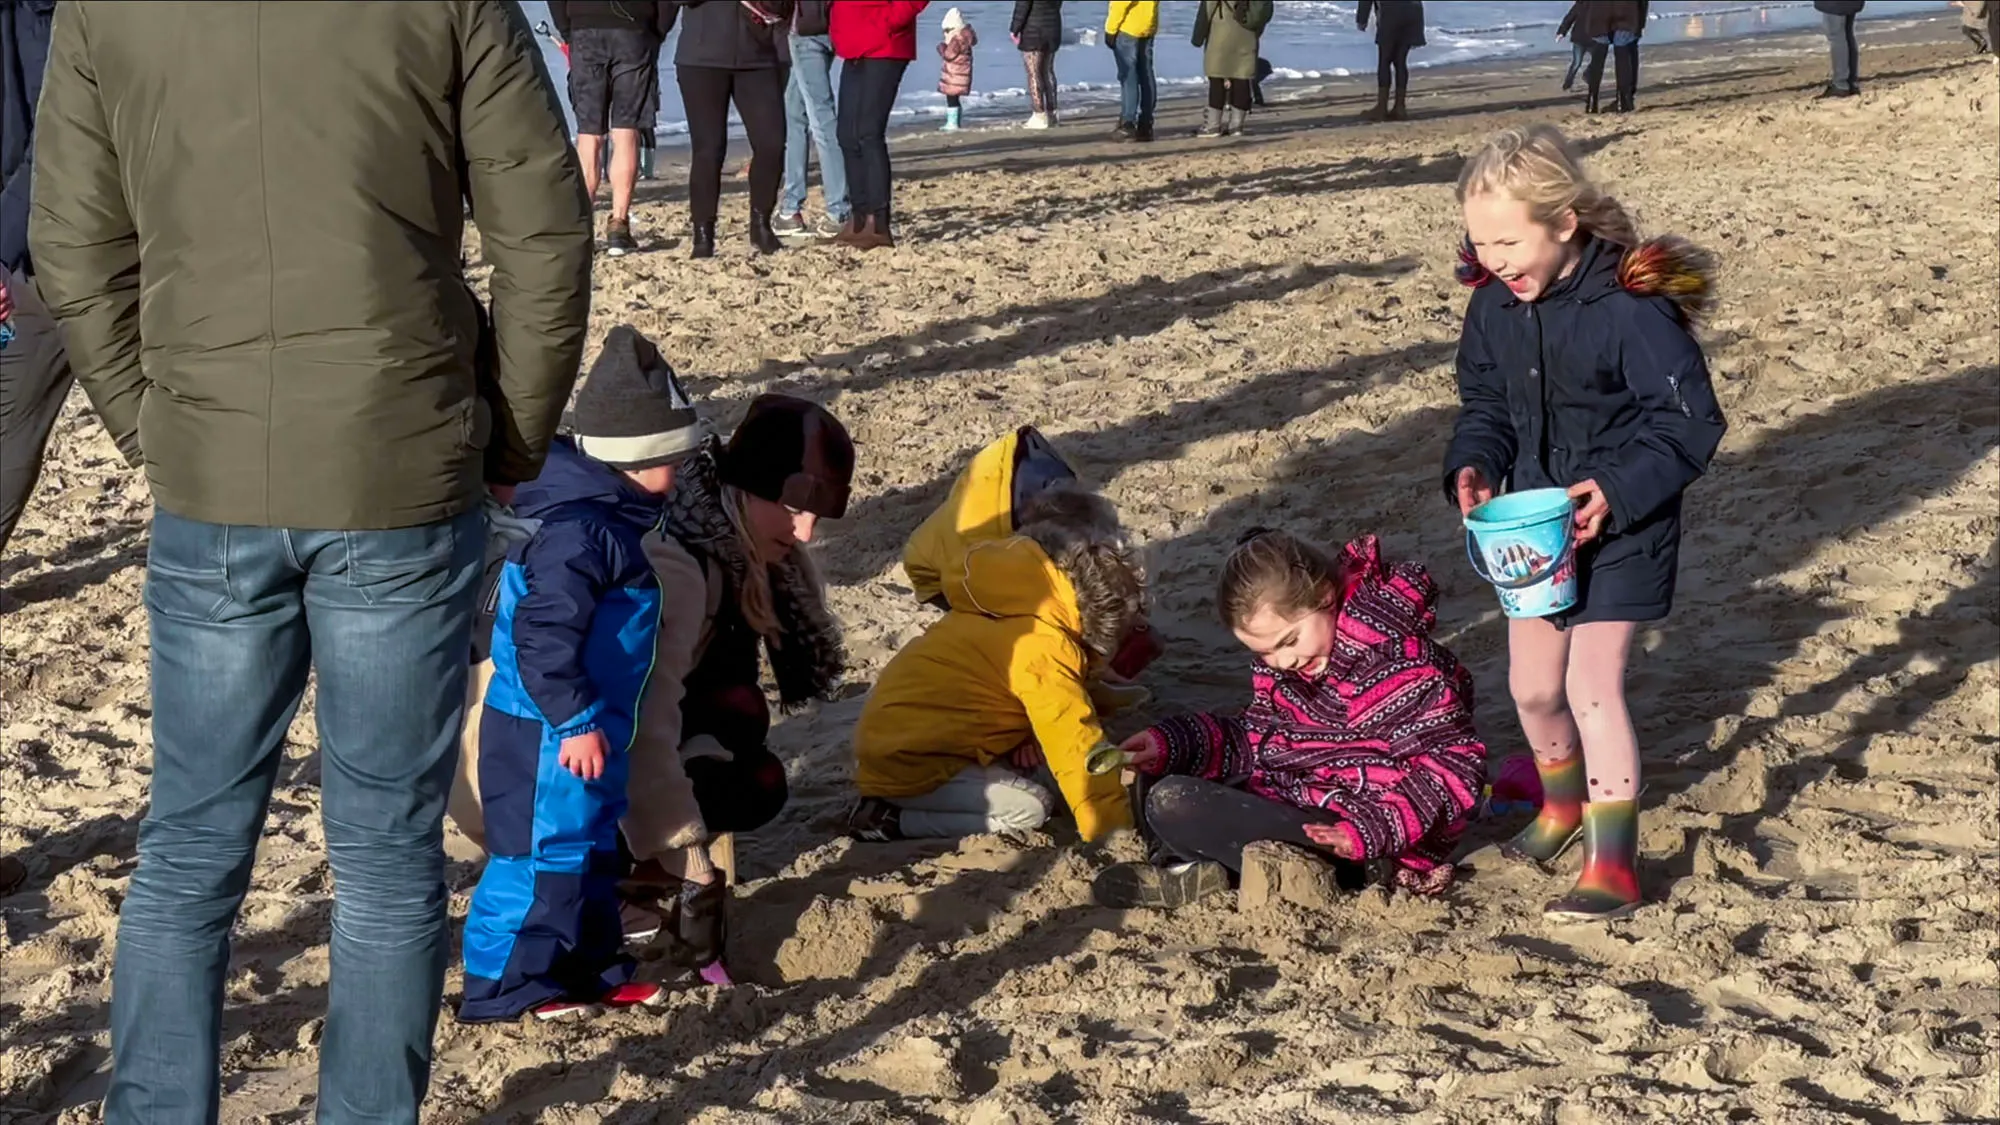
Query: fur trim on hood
point(1668, 266)
point(1110, 585)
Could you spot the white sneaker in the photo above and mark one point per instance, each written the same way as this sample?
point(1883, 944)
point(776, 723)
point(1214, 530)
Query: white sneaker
point(1037, 121)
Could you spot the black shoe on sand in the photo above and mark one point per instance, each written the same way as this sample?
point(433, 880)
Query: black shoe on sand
point(641, 923)
point(1130, 886)
point(875, 821)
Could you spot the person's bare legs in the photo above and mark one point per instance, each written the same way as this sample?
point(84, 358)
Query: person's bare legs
point(1538, 661)
point(590, 153)
point(624, 172)
point(1596, 688)
point(1608, 886)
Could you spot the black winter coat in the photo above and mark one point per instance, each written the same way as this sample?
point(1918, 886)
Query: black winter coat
point(655, 17)
point(1599, 19)
point(1839, 7)
point(1039, 24)
point(812, 17)
point(1599, 380)
point(1399, 24)
point(721, 33)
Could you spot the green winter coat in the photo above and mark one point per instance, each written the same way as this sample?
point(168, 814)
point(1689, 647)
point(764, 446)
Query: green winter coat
point(249, 219)
point(1229, 45)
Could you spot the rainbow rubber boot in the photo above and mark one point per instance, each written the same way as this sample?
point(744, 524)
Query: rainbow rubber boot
point(1609, 885)
point(1560, 822)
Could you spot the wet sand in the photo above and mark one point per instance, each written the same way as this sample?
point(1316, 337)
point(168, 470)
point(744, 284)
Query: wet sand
point(1226, 334)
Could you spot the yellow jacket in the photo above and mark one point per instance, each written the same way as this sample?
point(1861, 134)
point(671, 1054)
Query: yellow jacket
point(1137, 18)
point(1006, 663)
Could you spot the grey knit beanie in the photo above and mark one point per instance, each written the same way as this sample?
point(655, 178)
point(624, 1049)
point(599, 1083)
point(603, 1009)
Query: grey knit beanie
point(632, 412)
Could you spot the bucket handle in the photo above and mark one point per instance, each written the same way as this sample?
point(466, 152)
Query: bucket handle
point(1539, 574)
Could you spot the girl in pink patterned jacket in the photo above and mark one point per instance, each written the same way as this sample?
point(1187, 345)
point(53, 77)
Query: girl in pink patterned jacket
point(1358, 742)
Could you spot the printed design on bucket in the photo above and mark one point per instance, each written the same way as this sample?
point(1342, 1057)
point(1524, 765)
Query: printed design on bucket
point(1524, 544)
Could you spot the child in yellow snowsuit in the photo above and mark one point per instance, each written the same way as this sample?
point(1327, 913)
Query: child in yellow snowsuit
point(1040, 592)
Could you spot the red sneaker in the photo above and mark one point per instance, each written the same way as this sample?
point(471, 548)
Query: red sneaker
point(638, 994)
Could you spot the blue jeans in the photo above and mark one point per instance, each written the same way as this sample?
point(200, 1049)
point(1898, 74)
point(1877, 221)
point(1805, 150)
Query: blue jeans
point(1138, 88)
point(809, 111)
point(238, 615)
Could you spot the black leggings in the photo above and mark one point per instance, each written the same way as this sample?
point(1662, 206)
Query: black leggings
point(1192, 819)
point(1229, 91)
point(1392, 58)
point(1627, 58)
point(740, 795)
point(760, 100)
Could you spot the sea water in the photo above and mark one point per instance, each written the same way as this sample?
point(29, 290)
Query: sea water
point(1307, 41)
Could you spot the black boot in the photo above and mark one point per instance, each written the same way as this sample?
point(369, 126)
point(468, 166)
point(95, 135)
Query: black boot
point(1380, 110)
point(1590, 103)
point(704, 241)
point(761, 235)
point(1397, 112)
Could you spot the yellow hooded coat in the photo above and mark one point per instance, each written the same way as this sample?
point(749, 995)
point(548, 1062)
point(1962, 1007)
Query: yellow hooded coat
point(1007, 662)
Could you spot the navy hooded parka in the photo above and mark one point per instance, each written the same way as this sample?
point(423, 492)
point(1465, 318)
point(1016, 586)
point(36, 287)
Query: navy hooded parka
point(1593, 381)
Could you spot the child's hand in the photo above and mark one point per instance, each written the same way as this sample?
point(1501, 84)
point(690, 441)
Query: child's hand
point(1473, 490)
point(1591, 514)
point(1143, 751)
point(1027, 757)
point(584, 754)
point(1330, 837)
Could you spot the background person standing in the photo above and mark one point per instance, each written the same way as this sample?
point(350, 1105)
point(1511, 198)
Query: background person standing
point(734, 53)
point(1837, 16)
point(1129, 28)
point(810, 120)
point(614, 90)
point(34, 370)
point(876, 41)
point(316, 426)
point(1038, 31)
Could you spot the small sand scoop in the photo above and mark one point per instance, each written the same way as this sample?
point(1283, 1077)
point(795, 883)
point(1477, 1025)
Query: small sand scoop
point(1105, 758)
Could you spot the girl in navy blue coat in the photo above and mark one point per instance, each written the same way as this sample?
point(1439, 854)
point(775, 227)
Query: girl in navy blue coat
point(1578, 369)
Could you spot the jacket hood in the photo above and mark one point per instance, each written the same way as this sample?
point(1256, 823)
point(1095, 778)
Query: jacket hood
point(1668, 266)
point(569, 477)
point(986, 502)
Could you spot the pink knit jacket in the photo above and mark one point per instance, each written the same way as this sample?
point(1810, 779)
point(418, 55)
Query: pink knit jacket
point(1382, 739)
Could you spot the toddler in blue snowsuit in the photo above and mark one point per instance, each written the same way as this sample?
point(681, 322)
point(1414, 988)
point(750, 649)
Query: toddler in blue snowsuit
point(576, 609)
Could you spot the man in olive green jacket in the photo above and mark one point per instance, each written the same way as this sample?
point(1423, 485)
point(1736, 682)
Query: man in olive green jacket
point(248, 220)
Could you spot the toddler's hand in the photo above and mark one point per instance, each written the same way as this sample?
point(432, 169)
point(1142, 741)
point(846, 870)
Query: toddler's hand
point(1330, 837)
point(1473, 489)
point(584, 754)
point(1591, 514)
point(1143, 751)
point(1027, 757)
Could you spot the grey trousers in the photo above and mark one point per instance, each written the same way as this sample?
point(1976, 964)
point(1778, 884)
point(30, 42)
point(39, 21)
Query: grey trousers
point(1846, 52)
point(34, 379)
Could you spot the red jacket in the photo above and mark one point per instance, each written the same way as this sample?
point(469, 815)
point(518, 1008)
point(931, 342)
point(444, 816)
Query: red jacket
point(875, 29)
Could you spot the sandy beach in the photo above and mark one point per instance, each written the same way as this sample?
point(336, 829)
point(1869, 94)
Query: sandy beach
point(1225, 334)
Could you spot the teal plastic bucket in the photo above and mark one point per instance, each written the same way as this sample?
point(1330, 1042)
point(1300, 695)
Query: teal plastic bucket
point(1524, 543)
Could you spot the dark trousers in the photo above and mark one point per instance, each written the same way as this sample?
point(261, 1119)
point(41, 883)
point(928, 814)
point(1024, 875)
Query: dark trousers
point(34, 379)
point(1229, 91)
point(867, 94)
point(759, 95)
point(1625, 53)
point(1190, 818)
point(1394, 59)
